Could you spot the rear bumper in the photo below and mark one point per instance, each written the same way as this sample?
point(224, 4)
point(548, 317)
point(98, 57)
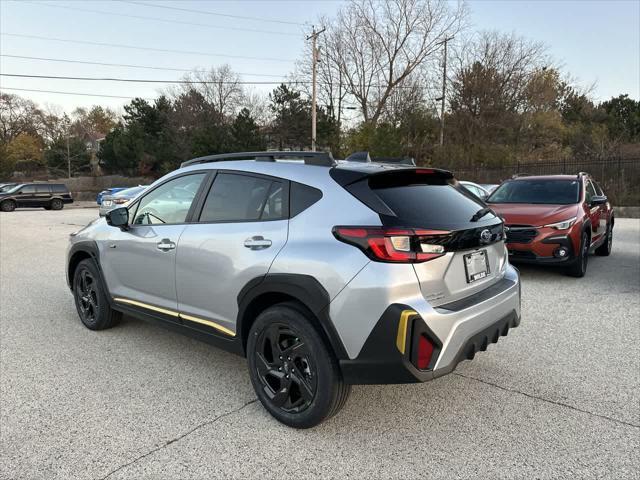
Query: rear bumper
point(457, 331)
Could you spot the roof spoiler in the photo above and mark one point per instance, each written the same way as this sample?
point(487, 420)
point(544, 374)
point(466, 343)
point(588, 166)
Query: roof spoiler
point(323, 159)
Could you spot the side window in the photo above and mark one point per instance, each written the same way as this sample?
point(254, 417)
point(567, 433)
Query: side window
point(58, 188)
point(169, 203)
point(589, 192)
point(597, 187)
point(43, 189)
point(302, 197)
point(28, 189)
point(240, 198)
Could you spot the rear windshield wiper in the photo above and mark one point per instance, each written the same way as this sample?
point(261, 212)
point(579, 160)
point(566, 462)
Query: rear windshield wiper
point(480, 213)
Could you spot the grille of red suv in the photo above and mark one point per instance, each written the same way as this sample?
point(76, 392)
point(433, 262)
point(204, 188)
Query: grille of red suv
point(521, 233)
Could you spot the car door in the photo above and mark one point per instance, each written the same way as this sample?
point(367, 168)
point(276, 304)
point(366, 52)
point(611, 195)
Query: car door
point(42, 196)
point(26, 196)
point(241, 228)
point(139, 262)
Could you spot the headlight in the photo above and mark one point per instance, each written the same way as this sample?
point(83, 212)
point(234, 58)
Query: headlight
point(562, 225)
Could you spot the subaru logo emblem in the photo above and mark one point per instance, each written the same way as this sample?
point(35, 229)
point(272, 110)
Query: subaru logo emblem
point(485, 236)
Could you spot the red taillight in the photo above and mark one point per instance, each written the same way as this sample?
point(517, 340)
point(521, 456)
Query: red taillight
point(425, 351)
point(120, 201)
point(396, 245)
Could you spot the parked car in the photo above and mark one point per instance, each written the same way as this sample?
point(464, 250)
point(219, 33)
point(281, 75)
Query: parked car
point(108, 191)
point(479, 191)
point(555, 219)
point(323, 274)
point(6, 186)
point(50, 196)
point(119, 199)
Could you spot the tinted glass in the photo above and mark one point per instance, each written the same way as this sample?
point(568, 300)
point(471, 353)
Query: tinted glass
point(59, 188)
point(551, 192)
point(43, 189)
point(11, 189)
point(432, 206)
point(169, 203)
point(129, 192)
point(241, 198)
point(28, 189)
point(302, 197)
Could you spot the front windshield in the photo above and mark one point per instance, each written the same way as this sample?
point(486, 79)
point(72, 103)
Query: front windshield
point(550, 192)
point(10, 189)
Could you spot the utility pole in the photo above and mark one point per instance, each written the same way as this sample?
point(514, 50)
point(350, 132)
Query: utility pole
point(314, 62)
point(68, 158)
point(444, 90)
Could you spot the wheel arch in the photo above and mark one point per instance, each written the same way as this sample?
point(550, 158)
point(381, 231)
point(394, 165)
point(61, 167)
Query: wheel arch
point(304, 290)
point(81, 251)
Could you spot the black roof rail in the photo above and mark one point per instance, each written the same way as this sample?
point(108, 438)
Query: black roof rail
point(323, 159)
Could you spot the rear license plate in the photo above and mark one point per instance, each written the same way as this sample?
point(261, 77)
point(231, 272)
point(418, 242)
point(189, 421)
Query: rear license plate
point(476, 265)
point(107, 203)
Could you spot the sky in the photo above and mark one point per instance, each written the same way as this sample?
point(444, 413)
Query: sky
point(596, 41)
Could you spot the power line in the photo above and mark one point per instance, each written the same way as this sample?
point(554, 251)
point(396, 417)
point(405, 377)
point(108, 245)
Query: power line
point(152, 49)
point(69, 93)
point(205, 12)
point(125, 65)
point(140, 80)
point(181, 22)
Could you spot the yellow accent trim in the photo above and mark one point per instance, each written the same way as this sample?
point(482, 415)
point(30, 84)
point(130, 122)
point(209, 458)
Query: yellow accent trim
point(209, 323)
point(401, 339)
point(147, 306)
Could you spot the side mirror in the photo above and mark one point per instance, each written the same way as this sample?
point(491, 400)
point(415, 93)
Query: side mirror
point(598, 200)
point(118, 217)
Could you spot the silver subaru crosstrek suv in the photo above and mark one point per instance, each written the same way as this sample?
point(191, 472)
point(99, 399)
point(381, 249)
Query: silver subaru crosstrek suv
point(322, 273)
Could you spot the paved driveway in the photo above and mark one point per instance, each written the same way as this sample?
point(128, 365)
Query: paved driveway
point(558, 398)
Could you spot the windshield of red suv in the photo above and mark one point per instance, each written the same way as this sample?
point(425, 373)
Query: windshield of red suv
point(551, 192)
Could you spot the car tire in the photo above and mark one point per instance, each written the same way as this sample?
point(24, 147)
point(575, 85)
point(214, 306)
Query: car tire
point(92, 302)
point(579, 267)
point(294, 374)
point(604, 250)
point(8, 206)
point(56, 204)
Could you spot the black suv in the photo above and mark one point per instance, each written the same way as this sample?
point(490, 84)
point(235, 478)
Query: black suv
point(50, 196)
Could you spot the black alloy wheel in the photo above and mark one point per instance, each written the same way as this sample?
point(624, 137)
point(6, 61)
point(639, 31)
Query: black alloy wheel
point(87, 297)
point(579, 267)
point(8, 206)
point(285, 368)
point(293, 371)
point(91, 298)
point(56, 204)
point(604, 250)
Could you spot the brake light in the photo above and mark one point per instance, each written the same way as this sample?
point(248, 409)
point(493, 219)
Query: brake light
point(425, 351)
point(395, 245)
point(120, 201)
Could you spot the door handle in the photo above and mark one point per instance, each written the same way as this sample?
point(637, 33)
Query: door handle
point(257, 243)
point(165, 245)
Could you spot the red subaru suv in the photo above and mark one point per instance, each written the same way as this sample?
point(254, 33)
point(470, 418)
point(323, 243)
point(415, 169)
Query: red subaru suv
point(555, 219)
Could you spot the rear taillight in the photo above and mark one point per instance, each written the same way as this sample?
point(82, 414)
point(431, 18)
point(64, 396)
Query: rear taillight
point(396, 245)
point(120, 201)
point(425, 352)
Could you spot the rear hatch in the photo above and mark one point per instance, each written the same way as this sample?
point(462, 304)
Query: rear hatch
point(443, 217)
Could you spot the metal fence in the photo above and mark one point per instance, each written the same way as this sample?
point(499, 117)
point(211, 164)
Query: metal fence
point(619, 177)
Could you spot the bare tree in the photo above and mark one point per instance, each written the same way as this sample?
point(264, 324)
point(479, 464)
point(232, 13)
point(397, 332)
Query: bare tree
point(18, 115)
point(219, 86)
point(375, 46)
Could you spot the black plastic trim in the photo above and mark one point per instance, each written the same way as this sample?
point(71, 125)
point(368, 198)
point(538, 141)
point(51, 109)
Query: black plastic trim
point(304, 288)
point(481, 296)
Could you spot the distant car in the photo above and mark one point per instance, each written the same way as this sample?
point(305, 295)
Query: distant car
point(6, 186)
point(119, 199)
point(490, 187)
point(480, 192)
point(555, 220)
point(50, 196)
point(108, 191)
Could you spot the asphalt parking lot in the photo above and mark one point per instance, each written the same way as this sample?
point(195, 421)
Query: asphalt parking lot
point(558, 398)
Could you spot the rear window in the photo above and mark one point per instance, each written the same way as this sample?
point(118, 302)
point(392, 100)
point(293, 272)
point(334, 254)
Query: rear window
point(549, 192)
point(431, 205)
